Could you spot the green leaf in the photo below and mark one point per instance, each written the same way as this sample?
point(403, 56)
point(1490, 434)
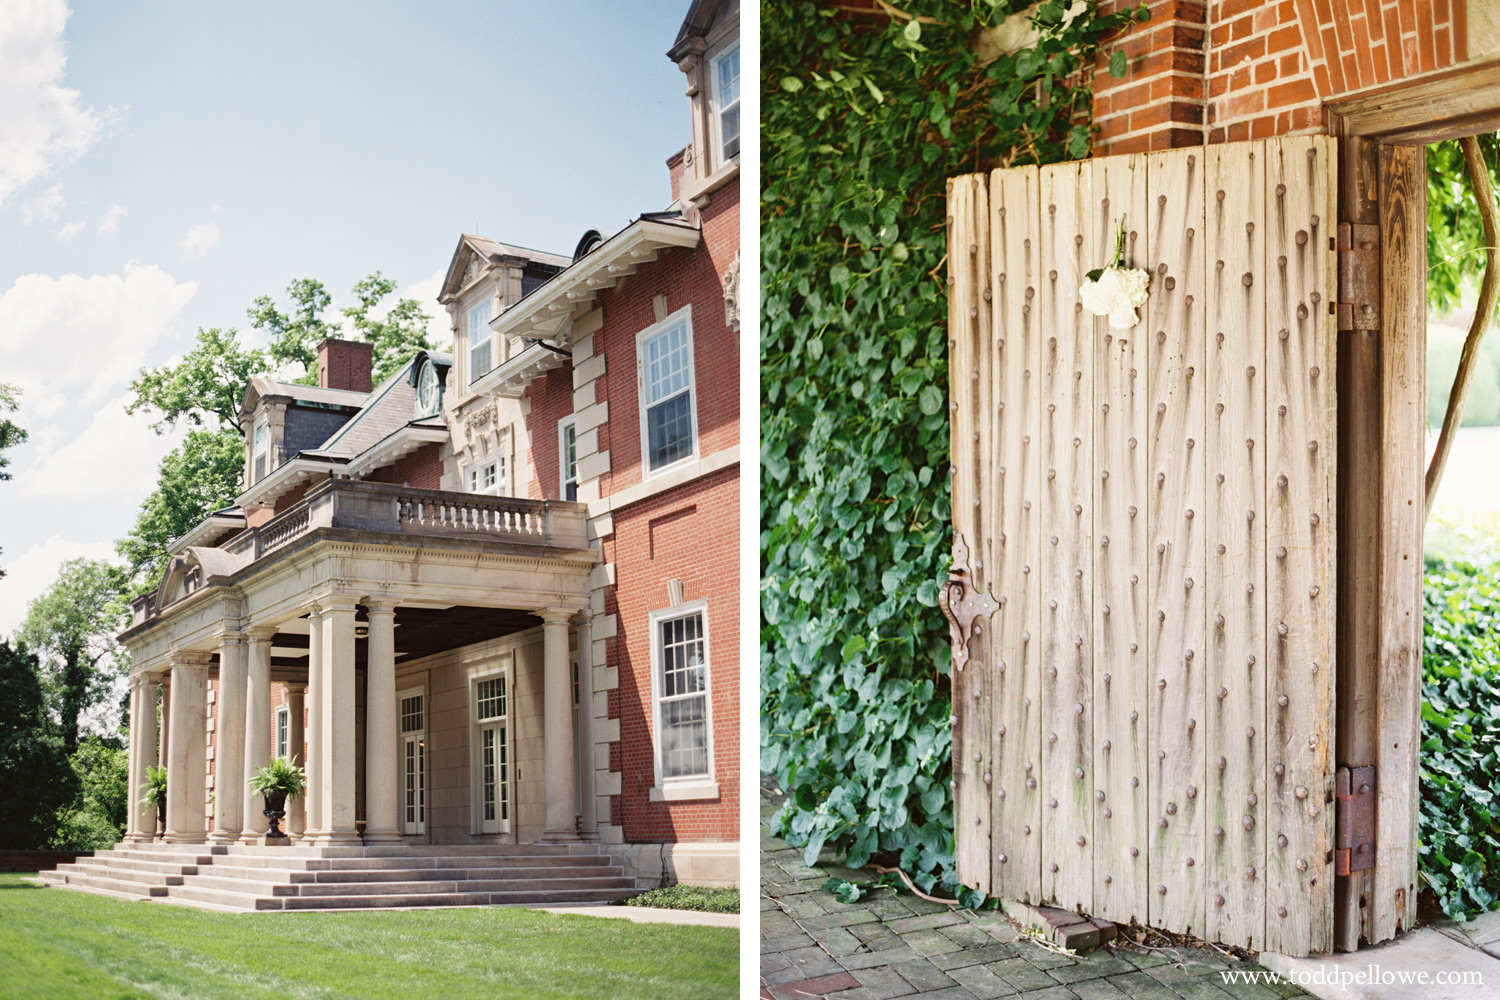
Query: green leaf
point(930, 400)
point(913, 31)
point(1117, 64)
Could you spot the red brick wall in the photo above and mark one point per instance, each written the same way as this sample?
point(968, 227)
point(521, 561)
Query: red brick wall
point(551, 400)
point(345, 364)
point(421, 470)
point(686, 277)
point(1225, 70)
point(293, 496)
point(669, 536)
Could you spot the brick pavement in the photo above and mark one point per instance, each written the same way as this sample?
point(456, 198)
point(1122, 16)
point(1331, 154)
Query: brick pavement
point(888, 945)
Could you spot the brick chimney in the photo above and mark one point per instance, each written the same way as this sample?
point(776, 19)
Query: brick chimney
point(345, 364)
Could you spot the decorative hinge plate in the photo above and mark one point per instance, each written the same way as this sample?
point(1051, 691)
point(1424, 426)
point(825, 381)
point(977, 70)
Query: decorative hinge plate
point(1354, 819)
point(962, 603)
point(1359, 277)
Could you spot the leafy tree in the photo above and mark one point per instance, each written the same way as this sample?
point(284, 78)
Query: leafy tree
point(73, 624)
point(1455, 238)
point(95, 820)
point(36, 780)
point(401, 334)
point(296, 333)
point(10, 434)
point(205, 388)
point(197, 477)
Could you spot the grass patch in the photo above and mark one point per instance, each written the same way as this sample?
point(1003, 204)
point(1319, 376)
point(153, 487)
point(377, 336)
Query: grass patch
point(690, 897)
point(74, 946)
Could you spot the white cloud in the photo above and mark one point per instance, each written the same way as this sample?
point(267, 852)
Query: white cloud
point(110, 221)
point(75, 340)
point(115, 458)
point(45, 207)
point(200, 239)
point(72, 229)
point(42, 124)
point(31, 572)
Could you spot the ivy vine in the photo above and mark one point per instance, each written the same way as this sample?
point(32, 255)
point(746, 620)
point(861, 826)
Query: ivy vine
point(863, 120)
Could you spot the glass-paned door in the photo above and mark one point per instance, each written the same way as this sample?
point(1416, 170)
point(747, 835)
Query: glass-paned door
point(492, 732)
point(413, 765)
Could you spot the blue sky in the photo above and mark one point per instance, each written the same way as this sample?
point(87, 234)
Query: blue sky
point(166, 163)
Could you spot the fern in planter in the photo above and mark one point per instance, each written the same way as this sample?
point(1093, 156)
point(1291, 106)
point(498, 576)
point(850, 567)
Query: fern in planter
point(154, 794)
point(278, 781)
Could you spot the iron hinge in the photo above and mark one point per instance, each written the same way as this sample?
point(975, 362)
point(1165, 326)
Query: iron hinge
point(1354, 819)
point(1359, 277)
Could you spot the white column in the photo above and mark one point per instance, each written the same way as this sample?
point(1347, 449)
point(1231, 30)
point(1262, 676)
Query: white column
point(382, 754)
point(316, 820)
point(165, 755)
point(296, 809)
point(187, 772)
point(133, 777)
point(557, 732)
point(141, 820)
point(257, 731)
point(336, 773)
point(229, 803)
point(584, 631)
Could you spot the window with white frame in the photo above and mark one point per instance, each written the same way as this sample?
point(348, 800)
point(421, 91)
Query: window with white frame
point(260, 453)
point(680, 683)
point(725, 70)
point(481, 340)
point(488, 475)
point(567, 456)
point(413, 762)
point(492, 754)
point(669, 424)
point(283, 719)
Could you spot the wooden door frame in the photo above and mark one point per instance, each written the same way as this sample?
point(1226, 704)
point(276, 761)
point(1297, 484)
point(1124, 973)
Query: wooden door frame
point(1382, 460)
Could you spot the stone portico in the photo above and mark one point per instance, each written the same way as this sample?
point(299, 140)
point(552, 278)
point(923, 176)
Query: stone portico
point(354, 593)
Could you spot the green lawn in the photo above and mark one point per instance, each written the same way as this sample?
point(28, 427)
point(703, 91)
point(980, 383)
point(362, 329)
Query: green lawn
point(62, 945)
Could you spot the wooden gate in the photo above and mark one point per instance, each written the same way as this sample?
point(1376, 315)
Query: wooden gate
point(1144, 541)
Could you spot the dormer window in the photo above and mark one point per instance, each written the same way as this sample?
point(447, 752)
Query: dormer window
point(429, 391)
point(260, 453)
point(725, 72)
point(481, 341)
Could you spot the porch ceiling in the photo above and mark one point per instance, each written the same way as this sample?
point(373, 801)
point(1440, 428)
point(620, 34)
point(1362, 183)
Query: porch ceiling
point(419, 632)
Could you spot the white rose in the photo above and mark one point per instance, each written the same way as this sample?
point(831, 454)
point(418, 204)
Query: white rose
point(1117, 293)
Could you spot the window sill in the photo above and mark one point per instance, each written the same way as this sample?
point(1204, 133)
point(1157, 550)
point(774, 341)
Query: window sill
point(698, 194)
point(680, 793)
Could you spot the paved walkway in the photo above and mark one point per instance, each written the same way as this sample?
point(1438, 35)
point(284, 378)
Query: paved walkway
point(888, 945)
point(647, 914)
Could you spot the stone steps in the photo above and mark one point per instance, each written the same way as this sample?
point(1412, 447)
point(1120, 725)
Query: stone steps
point(243, 877)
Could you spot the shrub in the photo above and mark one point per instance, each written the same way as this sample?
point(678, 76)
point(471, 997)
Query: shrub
point(1460, 765)
point(690, 897)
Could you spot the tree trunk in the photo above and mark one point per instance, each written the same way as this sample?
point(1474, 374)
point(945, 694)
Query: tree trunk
point(1489, 292)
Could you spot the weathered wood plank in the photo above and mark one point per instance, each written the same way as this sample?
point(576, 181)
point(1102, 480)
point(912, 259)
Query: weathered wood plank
point(1120, 558)
point(1403, 332)
point(1066, 524)
point(1361, 532)
point(1300, 449)
point(1236, 537)
point(1175, 640)
point(1016, 860)
point(968, 324)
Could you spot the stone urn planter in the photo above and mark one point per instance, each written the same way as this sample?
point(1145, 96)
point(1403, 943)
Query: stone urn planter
point(278, 781)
